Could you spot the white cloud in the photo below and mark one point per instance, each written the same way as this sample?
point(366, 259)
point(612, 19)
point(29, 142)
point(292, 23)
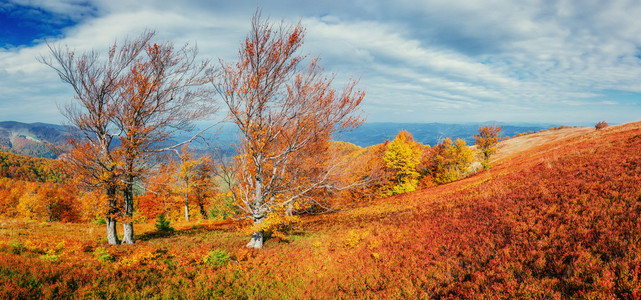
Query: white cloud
point(439, 58)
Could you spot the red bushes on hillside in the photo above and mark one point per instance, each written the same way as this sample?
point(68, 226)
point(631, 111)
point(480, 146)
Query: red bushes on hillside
point(601, 125)
point(556, 221)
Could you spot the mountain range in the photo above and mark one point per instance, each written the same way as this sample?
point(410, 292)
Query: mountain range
point(35, 139)
point(431, 134)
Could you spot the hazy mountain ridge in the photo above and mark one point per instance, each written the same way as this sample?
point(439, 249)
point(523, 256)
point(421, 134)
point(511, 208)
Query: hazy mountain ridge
point(34, 139)
point(428, 133)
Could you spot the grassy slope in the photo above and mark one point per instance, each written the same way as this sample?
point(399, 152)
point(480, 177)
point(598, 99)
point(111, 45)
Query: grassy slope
point(551, 219)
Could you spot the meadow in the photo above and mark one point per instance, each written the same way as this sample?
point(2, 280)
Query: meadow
point(556, 219)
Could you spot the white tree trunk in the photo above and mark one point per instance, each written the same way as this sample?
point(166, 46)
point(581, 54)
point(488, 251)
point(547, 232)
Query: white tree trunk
point(128, 224)
point(256, 241)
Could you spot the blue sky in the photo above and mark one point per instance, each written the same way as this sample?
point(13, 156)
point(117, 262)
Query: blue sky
point(564, 62)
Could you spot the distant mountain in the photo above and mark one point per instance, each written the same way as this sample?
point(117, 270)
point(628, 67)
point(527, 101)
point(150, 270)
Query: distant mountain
point(32, 139)
point(427, 133)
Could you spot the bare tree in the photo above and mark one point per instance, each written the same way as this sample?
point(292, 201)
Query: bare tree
point(161, 94)
point(126, 107)
point(286, 114)
point(96, 84)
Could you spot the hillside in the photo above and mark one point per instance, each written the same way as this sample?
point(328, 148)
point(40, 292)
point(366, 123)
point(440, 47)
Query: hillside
point(557, 216)
point(27, 168)
point(526, 142)
point(31, 139)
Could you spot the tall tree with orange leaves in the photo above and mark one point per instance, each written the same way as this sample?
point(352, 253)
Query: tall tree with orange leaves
point(286, 112)
point(162, 93)
point(126, 106)
point(95, 82)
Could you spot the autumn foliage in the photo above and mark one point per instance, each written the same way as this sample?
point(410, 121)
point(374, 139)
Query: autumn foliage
point(403, 155)
point(398, 220)
point(486, 140)
point(558, 220)
point(286, 111)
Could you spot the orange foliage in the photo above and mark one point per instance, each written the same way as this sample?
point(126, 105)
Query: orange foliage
point(286, 112)
point(556, 221)
point(486, 140)
point(39, 201)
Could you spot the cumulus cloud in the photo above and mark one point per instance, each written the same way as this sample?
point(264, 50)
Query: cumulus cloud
point(418, 60)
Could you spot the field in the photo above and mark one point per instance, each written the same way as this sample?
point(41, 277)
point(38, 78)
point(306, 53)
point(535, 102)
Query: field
point(557, 216)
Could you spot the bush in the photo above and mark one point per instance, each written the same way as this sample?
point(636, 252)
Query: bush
point(17, 247)
point(216, 257)
point(99, 221)
point(102, 254)
point(162, 224)
point(601, 125)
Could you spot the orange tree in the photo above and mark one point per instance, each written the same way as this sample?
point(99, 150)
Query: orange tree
point(161, 93)
point(95, 84)
point(486, 140)
point(286, 113)
point(193, 180)
point(451, 160)
point(125, 107)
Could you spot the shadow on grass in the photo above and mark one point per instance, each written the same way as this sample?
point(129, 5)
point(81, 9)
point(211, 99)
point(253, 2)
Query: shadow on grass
point(188, 231)
point(154, 235)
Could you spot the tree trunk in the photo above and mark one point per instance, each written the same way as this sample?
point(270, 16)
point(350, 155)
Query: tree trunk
point(256, 241)
point(128, 224)
point(203, 211)
point(112, 234)
point(187, 207)
point(128, 233)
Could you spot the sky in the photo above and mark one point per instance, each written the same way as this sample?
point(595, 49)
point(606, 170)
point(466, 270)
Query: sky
point(563, 62)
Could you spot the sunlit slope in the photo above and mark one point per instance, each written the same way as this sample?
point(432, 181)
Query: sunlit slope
point(529, 141)
point(556, 218)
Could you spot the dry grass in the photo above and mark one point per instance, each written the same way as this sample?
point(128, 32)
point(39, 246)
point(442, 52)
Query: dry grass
point(523, 143)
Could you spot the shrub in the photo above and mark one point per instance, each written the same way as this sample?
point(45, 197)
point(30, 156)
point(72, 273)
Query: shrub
point(216, 257)
point(102, 254)
point(99, 221)
point(17, 247)
point(601, 125)
point(162, 224)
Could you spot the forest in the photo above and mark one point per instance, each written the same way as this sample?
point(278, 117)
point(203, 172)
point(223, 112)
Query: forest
point(124, 211)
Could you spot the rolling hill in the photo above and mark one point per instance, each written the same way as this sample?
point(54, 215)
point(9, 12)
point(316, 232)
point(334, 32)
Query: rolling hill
point(557, 216)
point(31, 139)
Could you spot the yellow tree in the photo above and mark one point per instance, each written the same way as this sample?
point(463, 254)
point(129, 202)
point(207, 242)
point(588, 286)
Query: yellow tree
point(403, 155)
point(286, 113)
point(452, 160)
point(486, 140)
point(194, 181)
